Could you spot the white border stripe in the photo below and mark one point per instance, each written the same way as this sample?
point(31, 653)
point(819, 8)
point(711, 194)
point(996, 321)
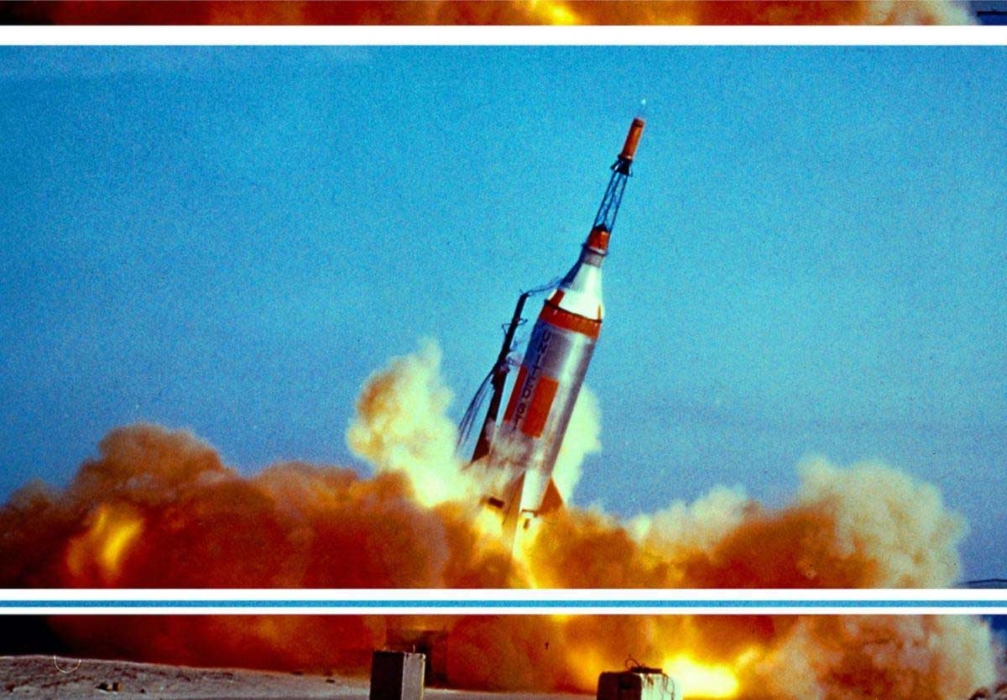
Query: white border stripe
point(514, 595)
point(502, 601)
point(195, 609)
point(502, 36)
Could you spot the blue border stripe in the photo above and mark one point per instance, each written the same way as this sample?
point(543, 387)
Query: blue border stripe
point(469, 604)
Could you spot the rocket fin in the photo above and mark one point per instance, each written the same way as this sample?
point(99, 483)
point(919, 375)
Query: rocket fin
point(514, 519)
point(510, 504)
point(552, 500)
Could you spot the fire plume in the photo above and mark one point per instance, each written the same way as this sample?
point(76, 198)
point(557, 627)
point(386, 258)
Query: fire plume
point(700, 680)
point(158, 508)
point(98, 552)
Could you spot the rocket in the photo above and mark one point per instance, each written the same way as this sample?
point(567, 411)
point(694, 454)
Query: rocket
point(520, 453)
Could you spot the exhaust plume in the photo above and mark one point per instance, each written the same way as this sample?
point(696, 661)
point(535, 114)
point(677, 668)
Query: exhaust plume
point(582, 438)
point(158, 508)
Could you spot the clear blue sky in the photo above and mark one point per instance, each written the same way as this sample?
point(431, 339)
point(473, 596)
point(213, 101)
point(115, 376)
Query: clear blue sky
point(810, 258)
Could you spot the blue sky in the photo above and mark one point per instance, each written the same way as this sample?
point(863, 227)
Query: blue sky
point(809, 260)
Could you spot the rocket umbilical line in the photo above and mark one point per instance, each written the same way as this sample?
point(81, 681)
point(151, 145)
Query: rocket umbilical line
point(524, 447)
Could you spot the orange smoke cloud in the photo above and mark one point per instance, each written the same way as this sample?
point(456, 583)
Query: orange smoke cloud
point(501, 12)
point(158, 508)
point(317, 644)
point(783, 658)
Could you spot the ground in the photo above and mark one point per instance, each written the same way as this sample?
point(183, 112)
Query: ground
point(67, 678)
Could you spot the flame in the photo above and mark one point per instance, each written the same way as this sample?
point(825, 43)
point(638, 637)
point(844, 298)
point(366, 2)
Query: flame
point(699, 680)
point(549, 12)
point(521, 557)
point(105, 543)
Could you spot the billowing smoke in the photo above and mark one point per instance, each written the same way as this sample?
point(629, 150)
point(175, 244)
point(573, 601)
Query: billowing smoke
point(402, 427)
point(502, 12)
point(158, 508)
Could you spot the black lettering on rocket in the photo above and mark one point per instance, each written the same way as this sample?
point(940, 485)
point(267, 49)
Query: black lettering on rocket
point(545, 338)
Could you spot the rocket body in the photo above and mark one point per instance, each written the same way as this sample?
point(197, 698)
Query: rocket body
point(529, 437)
point(527, 442)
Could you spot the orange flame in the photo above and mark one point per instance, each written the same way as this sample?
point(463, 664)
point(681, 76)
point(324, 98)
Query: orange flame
point(549, 12)
point(102, 547)
point(698, 680)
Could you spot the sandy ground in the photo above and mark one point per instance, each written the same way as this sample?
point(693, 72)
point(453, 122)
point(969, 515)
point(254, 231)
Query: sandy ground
point(58, 678)
point(62, 678)
point(71, 678)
